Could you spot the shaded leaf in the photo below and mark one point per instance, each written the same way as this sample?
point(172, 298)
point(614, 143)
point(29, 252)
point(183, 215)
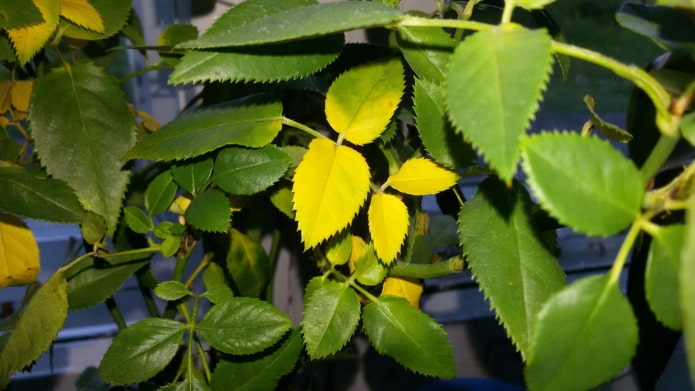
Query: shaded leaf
point(20, 94)
point(28, 40)
point(160, 193)
point(209, 211)
point(422, 176)
point(192, 175)
point(405, 287)
point(137, 220)
point(19, 252)
point(330, 185)
point(669, 27)
point(607, 129)
point(83, 14)
point(171, 290)
point(248, 264)
point(662, 274)
point(243, 171)
point(114, 14)
point(368, 269)
point(388, 225)
point(19, 13)
point(583, 182)
point(686, 276)
point(427, 50)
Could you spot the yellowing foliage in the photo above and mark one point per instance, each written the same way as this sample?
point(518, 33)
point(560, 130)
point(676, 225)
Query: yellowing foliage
point(422, 176)
point(330, 185)
point(19, 253)
point(388, 224)
point(408, 288)
point(20, 94)
point(29, 40)
point(82, 13)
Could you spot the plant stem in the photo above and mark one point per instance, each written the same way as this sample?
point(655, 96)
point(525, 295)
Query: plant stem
point(507, 12)
point(142, 72)
point(116, 313)
point(624, 250)
point(302, 127)
point(206, 367)
point(418, 21)
point(202, 265)
point(661, 152)
point(419, 270)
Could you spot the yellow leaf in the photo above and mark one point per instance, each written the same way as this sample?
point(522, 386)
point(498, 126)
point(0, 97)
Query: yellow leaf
point(408, 288)
point(330, 185)
point(421, 176)
point(181, 203)
point(148, 121)
point(358, 246)
point(29, 40)
point(388, 224)
point(21, 94)
point(19, 253)
point(5, 100)
point(82, 13)
point(361, 101)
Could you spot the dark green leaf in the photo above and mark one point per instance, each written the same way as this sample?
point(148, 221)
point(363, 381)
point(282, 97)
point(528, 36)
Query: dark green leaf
point(583, 182)
point(437, 135)
point(248, 264)
point(515, 269)
point(670, 28)
point(115, 14)
point(427, 50)
point(89, 381)
point(243, 171)
point(36, 328)
point(81, 126)
point(331, 315)
point(160, 193)
point(661, 276)
point(247, 123)
point(171, 290)
point(9, 148)
point(486, 69)
point(48, 199)
point(18, 13)
point(192, 175)
point(268, 63)
point(141, 351)
point(93, 280)
point(258, 372)
point(243, 326)
point(411, 337)
point(209, 211)
point(368, 269)
point(584, 335)
point(137, 220)
point(291, 20)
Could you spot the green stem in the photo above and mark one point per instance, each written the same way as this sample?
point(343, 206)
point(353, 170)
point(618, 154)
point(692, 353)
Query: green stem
point(116, 313)
point(202, 265)
point(507, 12)
point(662, 150)
point(420, 270)
point(624, 251)
point(142, 72)
point(302, 127)
point(206, 367)
point(151, 249)
point(418, 21)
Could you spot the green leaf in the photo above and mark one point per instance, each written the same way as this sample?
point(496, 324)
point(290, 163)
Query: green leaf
point(427, 50)
point(515, 269)
point(607, 129)
point(160, 193)
point(170, 246)
point(141, 351)
point(583, 336)
point(250, 123)
point(114, 13)
point(408, 335)
point(137, 220)
point(443, 231)
point(192, 175)
point(339, 247)
point(258, 372)
point(486, 69)
point(661, 276)
point(331, 315)
point(171, 290)
point(368, 269)
point(291, 20)
point(18, 13)
point(190, 383)
point(243, 326)
point(81, 126)
point(209, 211)
point(218, 294)
point(93, 280)
point(687, 127)
point(173, 35)
point(670, 28)
point(268, 63)
point(214, 275)
point(165, 229)
point(93, 228)
point(282, 200)
point(36, 328)
point(243, 171)
point(436, 133)
point(248, 264)
point(583, 182)
point(686, 277)
point(28, 196)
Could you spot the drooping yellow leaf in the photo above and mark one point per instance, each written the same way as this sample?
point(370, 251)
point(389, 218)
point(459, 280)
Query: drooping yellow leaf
point(330, 185)
point(421, 176)
point(361, 101)
point(19, 253)
point(29, 40)
point(408, 288)
point(388, 224)
point(20, 94)
point(82, 13)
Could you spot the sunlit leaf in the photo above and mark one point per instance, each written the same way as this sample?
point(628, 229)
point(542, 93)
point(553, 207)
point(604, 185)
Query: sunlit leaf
point(421, 176)
point(28, 40)
point(19, 252)
point(405, 287)
point(330, 185)
point(361, 101)
point(388, 224)
point(83, 14)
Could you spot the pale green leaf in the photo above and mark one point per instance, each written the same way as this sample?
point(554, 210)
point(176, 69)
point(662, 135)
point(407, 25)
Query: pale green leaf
point(248, 264)
point(677, 3)
point(291, 21)
point(243, 326)
point(243, 171)
point(114, 13)
point(409, 336)
point(165, 229)
point(170, 246)
point(686, 276)
point(81, 126)
point(281, 198)
point(160, 193)
point(249, 123)
point(489, 100)
point(258, 372)
point(361, 101)
point(661, 276)
point(584, 335)
point(219, 294)
point(28, 196)
point(19, 13)
point(19, 252)
point(137, 220)
point(35, 329)
point(436, 133)
point(331, 315)
point(193, 174)
point(171, 290)
point(330, 185)
point(268, 63)
point(209, 211)
point(339, 248)
point(93, 228)
point(427, 50)
point(583, 182)
point(141, 351)
point(368, 269)
point(515, 269)
point(388, 225)
point(422, 176)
